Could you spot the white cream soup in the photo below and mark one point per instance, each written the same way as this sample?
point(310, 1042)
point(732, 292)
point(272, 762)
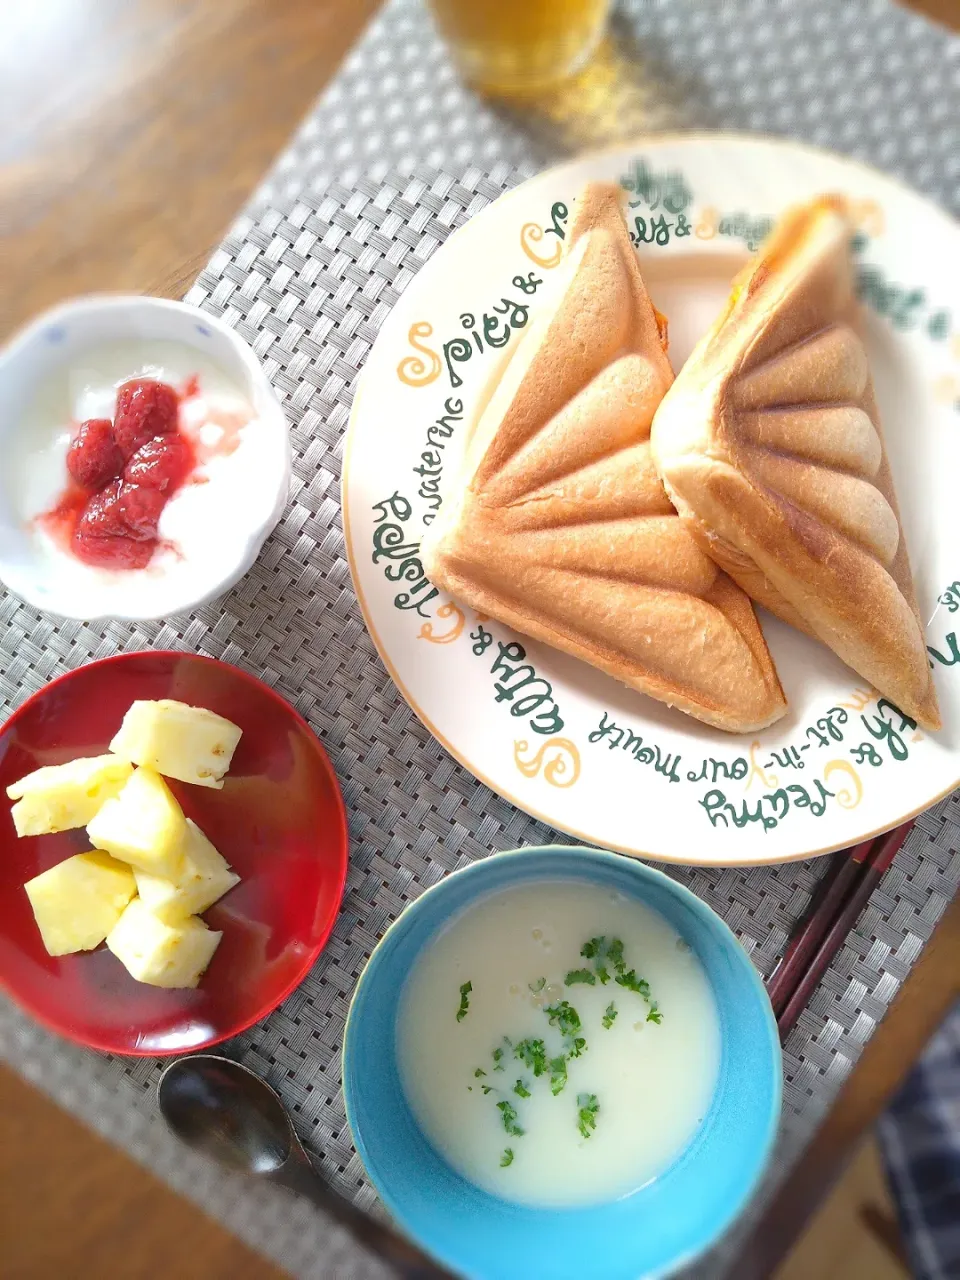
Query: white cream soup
point(558, 1043)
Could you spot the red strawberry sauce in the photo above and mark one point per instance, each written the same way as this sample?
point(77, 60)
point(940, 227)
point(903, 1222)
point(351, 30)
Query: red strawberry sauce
point(122, 475)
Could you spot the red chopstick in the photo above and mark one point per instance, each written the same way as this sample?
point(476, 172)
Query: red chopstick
point(827, 900)
point(869, 871)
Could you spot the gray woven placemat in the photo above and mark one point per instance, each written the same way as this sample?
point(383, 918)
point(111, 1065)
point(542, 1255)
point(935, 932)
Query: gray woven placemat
point(307, 278)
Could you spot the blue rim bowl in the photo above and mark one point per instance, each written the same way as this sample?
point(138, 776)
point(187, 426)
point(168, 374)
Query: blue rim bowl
point(654, 1231)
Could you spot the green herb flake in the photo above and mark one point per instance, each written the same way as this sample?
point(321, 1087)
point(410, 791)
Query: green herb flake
point(558, 1074)
point(479, 1072)
point(486, 1089)
point(537, 987)
point(500, 1053)
point(521, 1090)
point(580, 975)
point(577, 1047)
point(597, 950)
point(464, 1000)
point(533, 1055)
point(628, 978)
point(606, 953)
point(587, 1108)
point(507, 1157)
point(508, 1114)
point(563, 1016)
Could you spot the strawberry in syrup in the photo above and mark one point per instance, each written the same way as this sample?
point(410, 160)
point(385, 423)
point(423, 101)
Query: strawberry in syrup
point(103, 535)
point(145, 408)
point(162, 463)
point(123, 472)
point(93, 458)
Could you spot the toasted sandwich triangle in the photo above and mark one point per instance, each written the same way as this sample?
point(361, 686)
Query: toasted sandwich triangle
point(559, 525)
point(770, 446)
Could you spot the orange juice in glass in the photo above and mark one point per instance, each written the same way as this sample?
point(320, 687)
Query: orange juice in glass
point(512, 46)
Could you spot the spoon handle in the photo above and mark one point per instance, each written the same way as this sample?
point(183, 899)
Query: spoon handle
point(406, 1259)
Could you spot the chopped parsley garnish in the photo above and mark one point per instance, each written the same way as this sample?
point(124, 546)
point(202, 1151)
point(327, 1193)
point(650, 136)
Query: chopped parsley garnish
point(630, 980)
point(599, 951)
point(594, 950)
point(499, 1054)
point(605, 961)
point(532, 1054)
point(464, 1000)
point(508, 1114)
point(607, 955)
point(558, 1074)
point(580, 975)
point(587, 1108)
point(564, 1016)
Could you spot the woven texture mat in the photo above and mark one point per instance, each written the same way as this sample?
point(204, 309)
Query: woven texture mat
point(307, 277)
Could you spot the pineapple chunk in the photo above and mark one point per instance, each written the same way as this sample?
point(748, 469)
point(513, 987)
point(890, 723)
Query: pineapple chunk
point(183, 742)
point(62, 796)
point(163, 955)
point(143, 825)
point(206, 876)
point(77, 902)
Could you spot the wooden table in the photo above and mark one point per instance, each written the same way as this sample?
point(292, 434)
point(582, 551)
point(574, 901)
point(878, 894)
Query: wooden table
point(132, 131)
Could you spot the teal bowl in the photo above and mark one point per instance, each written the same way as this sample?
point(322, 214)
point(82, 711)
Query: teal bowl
point(653, 1232)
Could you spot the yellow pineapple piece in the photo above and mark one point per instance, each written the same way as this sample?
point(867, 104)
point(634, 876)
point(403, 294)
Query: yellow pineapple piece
point(162, 955)
point(77, 902)
point(190, 744)
point(206, 876)
point(143, 825)
point(61, 796)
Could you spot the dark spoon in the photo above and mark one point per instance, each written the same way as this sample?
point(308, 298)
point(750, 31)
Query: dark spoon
point(226, 1111)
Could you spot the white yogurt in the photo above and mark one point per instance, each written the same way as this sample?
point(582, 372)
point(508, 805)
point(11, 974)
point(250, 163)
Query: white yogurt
point(203, 522)
point(652, 1082)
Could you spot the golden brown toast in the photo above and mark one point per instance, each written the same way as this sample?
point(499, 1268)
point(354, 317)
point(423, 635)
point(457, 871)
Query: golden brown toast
point(769, 444)
point(559, 525)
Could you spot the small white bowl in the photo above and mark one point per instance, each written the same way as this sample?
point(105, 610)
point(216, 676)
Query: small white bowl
point(56, 584)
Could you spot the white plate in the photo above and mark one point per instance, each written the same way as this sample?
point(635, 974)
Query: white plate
point(615, 767)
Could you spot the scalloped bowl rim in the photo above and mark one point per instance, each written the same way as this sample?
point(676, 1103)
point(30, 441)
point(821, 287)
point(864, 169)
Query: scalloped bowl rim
point(269, 410)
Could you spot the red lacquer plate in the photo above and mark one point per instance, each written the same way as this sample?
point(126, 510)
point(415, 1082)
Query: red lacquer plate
point(279, 821)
